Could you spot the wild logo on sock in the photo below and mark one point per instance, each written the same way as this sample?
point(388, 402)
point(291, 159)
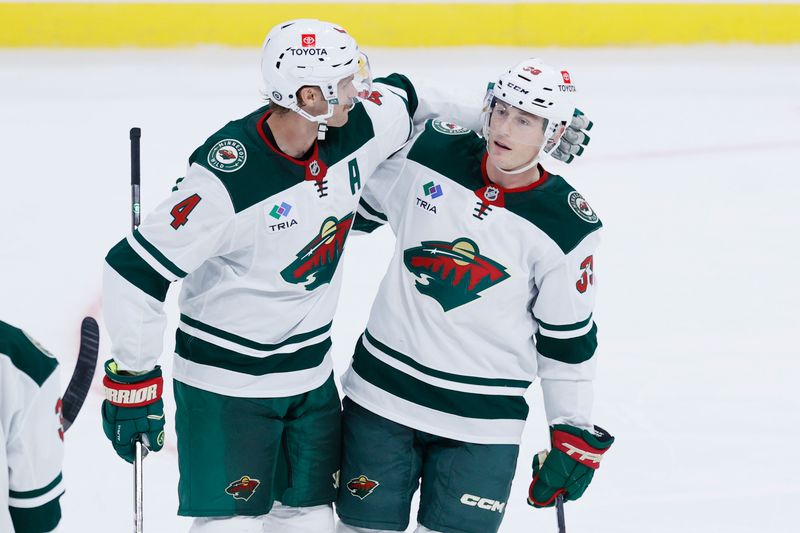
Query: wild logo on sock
point(452, 273)
point(362, 486)
point(243, 488)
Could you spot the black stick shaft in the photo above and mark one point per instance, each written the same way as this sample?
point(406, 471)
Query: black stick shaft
point(136, 208)
point(562, 525)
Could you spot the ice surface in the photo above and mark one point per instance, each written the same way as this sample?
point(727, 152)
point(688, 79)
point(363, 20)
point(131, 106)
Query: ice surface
point(692, 168)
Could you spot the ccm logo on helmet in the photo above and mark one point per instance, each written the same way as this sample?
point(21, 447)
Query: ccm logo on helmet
point(483, 503)
point(308, 39)
point(307, 51)
point(517, 88)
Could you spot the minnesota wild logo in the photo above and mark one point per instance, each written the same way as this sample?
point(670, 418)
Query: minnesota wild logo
point(452, 273)
point(362, 486)
point(243, 488)
point(316, 262)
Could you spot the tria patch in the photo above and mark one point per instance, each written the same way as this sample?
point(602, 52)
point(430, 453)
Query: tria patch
point(449, 128)
point(581, 207)
point(361, 486)
point(243, 488)
point(452, 273)
point(433, 190)
point(281, 210)
point(316, 263)
point(227, 155)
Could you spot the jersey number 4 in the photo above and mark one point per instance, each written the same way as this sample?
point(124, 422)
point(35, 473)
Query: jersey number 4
point(587, 276)
point(180, 213)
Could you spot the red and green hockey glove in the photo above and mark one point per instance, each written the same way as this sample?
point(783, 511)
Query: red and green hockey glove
point(575, 138)
point(133, 408)
point(569, 467)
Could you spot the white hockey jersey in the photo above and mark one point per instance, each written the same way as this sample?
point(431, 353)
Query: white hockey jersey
point(487, 289)
point(31, 435)
point(256, 236)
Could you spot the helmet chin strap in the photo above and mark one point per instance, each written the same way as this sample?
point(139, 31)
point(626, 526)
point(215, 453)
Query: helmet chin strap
point(321, 120)
point(519, 170)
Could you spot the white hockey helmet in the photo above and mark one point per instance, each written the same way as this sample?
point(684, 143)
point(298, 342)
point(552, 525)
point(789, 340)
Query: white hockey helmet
point(310, 52)
point(538, 89)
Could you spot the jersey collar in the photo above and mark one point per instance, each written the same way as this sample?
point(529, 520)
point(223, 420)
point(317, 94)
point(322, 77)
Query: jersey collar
point(315, 168)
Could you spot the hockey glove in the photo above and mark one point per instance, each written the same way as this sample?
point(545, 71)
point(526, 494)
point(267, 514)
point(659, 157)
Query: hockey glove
point(569, 467)
point(133, 408)
point(574, 139)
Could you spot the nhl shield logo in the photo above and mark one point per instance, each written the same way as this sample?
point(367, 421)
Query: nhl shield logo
point(581, 207)
point(491, 193)
point(313, 168)
point(243, 488)
point(362, 486)
point(228, 155)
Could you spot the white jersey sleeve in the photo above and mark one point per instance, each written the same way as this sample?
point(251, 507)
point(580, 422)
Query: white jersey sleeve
point(195, 223)
point(387, 182)
point(567, 335)
point(462, 107)
point(31, 435)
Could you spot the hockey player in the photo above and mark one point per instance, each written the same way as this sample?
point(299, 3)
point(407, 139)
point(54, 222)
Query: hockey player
point(492, 283)
point(31, 435)
point(255, 231)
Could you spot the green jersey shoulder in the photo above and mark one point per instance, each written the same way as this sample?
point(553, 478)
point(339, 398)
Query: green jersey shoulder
point(27, 355)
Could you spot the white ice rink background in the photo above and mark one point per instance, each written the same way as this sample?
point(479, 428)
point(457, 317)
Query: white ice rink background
point(692, 167)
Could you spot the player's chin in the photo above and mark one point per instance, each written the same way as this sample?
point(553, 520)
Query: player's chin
point(340, 117)
point(502, 158)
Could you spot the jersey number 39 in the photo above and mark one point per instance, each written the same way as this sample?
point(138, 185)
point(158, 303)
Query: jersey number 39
point(180, 213)
point(587, 275)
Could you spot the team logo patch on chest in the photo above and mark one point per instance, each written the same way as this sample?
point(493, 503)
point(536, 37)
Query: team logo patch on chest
point(316, 263)
point(243, 488)
point(452, 273)
point(227, 155)
point(362, 486)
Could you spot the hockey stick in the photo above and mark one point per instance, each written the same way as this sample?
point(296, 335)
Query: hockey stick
point(81, 380)
point(562, 526)
point(140, 451)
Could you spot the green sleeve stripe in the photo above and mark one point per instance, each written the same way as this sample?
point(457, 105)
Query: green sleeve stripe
point(371, 210)
point(402, 82)
point(204, 353)
point(571, 351)
point(26, 356)
point(363, 224)
point(464, 404)
point(469, 380)
point(36, 519)
point(243, 341)
point(158, 256)
point(128, 264)
point(565, 327)
point(28, 494)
